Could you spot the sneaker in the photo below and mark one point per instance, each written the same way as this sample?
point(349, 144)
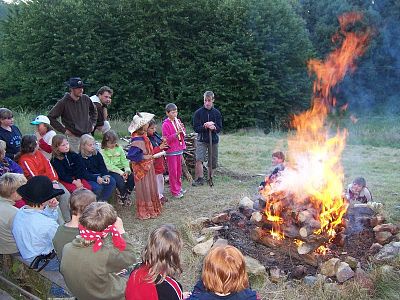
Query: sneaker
point(199, 181)
point(180, 195)
point(183, 191)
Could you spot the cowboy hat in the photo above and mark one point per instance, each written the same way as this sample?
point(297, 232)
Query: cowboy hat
point(139, 120)
point(38, 190)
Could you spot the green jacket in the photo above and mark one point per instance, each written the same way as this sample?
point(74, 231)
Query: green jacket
point(115, 160)
point(93, 275)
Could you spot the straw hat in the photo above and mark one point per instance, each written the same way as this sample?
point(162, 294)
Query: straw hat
point(139, 120)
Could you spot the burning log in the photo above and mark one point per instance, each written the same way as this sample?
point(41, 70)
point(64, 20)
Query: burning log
point(285, 246)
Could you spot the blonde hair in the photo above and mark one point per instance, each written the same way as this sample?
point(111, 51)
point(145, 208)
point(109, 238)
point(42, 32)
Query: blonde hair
point(55, 143)
point(97, 216)
point(162, 253)
point(80, 199)
point(3, 147)
point(85, 139)
point(224, 270)
point(9, 183)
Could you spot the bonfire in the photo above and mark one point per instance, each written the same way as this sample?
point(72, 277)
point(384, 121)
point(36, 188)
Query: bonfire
point(306, 203)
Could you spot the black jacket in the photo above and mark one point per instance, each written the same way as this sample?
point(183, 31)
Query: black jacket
point(203, 115)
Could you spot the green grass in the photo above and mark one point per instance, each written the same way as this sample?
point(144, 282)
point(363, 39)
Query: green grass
point(373, 151)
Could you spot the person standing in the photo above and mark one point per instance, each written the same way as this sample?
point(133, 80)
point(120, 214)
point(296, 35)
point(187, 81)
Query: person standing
point(206, 119)
point(102, 100)
point(78, 113)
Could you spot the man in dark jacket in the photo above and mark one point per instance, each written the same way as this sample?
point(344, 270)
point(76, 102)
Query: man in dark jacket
point(206, 119)
point(78, 113)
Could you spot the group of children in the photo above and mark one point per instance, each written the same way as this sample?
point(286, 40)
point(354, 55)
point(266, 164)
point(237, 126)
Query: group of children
point(94, 254)
point(101, 170)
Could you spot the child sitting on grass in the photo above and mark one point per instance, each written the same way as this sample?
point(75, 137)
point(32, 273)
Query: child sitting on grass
point(35, 224)
point(9, 183)
point(67, 232)
point(278, 160)
point(118, 166)
point(68, 165)
point(7, 165)
point(44, 133)
point(91, 262)
point(153, 280)
point(9, 133)
point(224, 277)
point(358, 191)
point(96, 173)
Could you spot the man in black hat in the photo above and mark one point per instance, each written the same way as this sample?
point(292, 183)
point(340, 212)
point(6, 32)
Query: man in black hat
point(78, 113)
point(35, 224)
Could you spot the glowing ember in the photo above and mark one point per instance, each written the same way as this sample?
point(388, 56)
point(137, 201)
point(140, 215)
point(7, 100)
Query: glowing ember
point(313, 178)
point(276, 235)
point(322, 250)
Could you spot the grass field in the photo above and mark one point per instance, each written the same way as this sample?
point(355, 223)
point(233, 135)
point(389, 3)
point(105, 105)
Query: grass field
point(245, 154)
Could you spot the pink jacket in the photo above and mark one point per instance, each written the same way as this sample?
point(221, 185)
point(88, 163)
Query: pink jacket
point(168, 131)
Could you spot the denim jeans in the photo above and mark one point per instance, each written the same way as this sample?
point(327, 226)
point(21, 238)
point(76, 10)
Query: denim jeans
point(103, 191)
point(122, 186)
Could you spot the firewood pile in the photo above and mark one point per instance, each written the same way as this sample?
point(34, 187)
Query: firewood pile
point(299, 221)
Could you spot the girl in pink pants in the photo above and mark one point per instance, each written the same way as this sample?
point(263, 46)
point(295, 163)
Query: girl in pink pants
point(174, 131)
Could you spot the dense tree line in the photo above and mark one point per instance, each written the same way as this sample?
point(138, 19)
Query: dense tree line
point(251, 53)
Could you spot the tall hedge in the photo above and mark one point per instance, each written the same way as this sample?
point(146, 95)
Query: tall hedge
point(251, 53)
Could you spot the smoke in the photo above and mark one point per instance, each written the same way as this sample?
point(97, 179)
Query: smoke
point(373, 87)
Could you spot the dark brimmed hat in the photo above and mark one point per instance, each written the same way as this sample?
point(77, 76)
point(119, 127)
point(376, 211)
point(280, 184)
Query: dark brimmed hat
point(38, 189)
point(75, 83)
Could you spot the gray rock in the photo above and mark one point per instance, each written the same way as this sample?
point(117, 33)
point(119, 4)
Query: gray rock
point(328, 267)
point(220, 242)
point(310, 280)
point(343, 272)
point(383, 237)
point(220, 218)
point(351, 261)
point(253, 266)
point(256, 217)
point(246, 202)
point(213, 229)
point(388, 252)
point(203, 248)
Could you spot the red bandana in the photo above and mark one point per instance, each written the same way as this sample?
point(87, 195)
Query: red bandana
point(90, 235)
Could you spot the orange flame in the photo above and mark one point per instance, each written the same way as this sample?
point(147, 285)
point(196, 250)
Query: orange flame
point(314, 173)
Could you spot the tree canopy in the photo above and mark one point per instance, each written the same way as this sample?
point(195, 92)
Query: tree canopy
point(251, 53)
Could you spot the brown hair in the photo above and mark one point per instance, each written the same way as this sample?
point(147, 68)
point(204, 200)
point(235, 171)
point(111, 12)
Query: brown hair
point(55, 143)
point(170, 107)
point(98, 216)
point(162, 252)
point(79, 200)
point(224, 270)
point(104, 89)
point(5, 113)
point(360, 181)
point(9, 183)
point(110, 136)
point(279, 155)
point(28, 145)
